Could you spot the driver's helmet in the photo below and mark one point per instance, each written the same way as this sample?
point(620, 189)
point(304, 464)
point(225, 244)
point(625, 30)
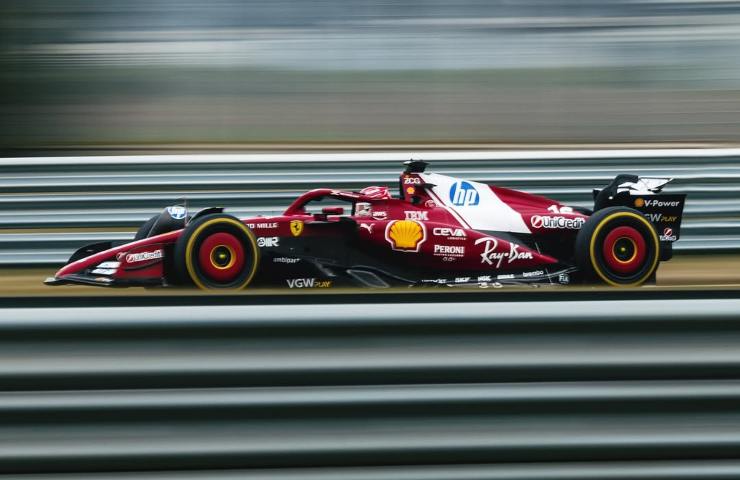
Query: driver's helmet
point(376, 192)
point(363, 209)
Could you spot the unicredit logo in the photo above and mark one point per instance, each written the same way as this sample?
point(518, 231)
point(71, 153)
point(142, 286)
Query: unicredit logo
point(539, 221)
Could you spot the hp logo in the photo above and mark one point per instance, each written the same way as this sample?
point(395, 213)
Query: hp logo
point(463, 194)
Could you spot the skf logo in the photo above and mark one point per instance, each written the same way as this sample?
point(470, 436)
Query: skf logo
point(405, 235)
point(411, 181)
point(296, 227)
point(463, 194)
point(639, 202)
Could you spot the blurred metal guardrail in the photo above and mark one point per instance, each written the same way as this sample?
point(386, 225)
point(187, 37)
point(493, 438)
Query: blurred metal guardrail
point(557, 390)
point(113, 192)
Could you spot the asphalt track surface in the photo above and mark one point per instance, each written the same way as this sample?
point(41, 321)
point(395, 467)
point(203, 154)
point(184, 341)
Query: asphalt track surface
point(684, 273)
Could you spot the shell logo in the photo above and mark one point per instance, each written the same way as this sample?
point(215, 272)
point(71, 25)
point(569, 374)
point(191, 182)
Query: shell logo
point(639, 202)
point(405, 235)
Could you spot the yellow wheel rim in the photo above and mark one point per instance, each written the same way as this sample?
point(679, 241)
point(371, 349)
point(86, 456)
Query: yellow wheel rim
point(218, 255)
point(634, 251)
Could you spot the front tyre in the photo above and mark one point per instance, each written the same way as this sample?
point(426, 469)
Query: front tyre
point(619, 246)
point(217, 252)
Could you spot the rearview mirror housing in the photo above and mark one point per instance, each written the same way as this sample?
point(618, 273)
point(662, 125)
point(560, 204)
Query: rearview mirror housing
point(332, 211)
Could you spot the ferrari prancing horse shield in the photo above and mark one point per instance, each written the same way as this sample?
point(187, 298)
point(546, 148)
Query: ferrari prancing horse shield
point(296, 227)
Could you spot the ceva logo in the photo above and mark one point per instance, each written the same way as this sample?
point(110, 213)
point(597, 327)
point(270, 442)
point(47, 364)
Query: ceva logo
point(463, 194)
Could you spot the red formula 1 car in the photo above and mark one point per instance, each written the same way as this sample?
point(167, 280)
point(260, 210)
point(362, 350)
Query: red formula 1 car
point(439, 230)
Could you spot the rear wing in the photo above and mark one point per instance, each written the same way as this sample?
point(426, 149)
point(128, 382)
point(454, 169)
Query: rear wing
point(645, 194)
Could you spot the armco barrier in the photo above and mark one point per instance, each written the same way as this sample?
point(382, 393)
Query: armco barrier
point(504, 390)
point(104, 194)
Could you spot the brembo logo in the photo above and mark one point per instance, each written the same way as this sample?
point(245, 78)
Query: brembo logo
point(539, 221)
point(143, 256)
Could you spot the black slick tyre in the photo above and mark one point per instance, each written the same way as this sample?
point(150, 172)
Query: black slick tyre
point(617, 246)
point(217, 252)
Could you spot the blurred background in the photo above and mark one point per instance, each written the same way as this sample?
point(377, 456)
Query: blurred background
point(163, 72)
point(256, 102)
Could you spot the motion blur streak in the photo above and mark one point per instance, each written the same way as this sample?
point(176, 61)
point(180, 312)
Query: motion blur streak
point(164, 71)
point(620, 389)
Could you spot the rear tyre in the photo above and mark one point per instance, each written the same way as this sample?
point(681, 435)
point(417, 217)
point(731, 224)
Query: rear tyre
point(217, 252)
point(618, 246)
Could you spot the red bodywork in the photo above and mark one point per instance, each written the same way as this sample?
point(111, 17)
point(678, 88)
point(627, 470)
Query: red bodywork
point(419, 230)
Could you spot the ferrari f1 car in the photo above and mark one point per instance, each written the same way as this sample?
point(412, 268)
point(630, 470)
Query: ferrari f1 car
point(438, 230)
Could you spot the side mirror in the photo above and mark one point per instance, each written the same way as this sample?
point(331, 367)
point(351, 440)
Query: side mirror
point(332, 211)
